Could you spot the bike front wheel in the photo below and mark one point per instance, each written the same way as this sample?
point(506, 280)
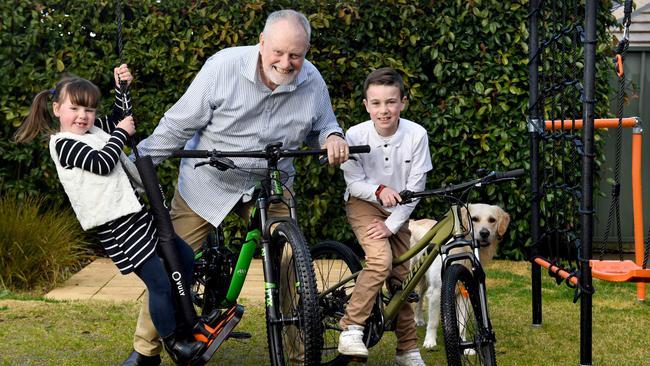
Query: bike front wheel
point(467, 340)
point(293, 328)
point(333, 262)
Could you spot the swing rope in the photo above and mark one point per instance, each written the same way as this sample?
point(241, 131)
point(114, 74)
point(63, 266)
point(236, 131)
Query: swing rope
point(126, 109)
point(615, 207)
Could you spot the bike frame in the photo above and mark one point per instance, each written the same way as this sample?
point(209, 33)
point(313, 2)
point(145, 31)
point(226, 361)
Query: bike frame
point(444, 236)
point(258, 234)
point(431, 245)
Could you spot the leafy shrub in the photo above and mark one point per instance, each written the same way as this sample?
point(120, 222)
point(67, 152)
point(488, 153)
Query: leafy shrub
point(39, 245)
point(465, 65)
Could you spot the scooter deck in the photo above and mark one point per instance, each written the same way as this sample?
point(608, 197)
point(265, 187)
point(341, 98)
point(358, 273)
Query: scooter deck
point(216, 331)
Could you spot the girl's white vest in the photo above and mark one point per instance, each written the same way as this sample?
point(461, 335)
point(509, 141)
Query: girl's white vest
point(96, 199)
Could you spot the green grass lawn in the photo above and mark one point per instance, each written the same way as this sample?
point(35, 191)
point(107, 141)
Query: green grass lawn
point(37, 332)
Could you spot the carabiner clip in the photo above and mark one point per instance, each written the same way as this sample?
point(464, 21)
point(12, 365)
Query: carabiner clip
point(619, 66)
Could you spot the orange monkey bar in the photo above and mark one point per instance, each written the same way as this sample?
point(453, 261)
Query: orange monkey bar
point(614, 270)
point(556, 270)
point(576, 124)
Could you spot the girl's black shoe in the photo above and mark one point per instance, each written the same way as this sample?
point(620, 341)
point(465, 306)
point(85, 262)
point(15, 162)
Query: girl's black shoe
point(182, 351)
point(137, 359)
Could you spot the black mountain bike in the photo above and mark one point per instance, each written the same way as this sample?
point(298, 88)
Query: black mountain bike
point(292, 314)
point(468, 335)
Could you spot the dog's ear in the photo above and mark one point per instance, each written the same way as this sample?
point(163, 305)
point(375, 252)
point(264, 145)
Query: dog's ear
point(503, 220)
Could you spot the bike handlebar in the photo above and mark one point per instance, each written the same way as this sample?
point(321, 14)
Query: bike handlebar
point(509, 175)
point(492, 177)
point(260, 153)
point(191, 154)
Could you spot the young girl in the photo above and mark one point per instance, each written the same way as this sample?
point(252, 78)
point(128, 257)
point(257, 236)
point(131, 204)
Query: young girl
point(87, 152)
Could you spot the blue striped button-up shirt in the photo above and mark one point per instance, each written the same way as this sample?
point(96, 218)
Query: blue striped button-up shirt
point(228, 108)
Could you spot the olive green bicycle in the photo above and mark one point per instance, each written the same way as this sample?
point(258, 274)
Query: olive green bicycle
point(468, 335)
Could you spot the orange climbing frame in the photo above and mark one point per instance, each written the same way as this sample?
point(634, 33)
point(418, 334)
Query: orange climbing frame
point(615, 270)
point(569, 124)
point(558, 271)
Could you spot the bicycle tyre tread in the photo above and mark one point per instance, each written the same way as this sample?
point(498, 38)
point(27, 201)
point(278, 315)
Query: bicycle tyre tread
point(311, 326)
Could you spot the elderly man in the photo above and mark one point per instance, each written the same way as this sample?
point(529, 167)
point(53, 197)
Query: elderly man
point(242, 99)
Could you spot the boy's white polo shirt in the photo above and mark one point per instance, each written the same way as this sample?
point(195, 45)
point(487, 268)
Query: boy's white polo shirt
point(399, 162)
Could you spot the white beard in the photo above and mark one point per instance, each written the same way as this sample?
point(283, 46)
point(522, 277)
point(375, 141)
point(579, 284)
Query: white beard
point(280, 79)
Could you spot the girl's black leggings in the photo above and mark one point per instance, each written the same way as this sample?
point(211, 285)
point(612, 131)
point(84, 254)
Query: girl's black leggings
point(153, 274)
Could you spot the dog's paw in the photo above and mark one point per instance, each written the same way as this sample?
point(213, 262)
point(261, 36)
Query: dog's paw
point(429, 342)
point(420, 322)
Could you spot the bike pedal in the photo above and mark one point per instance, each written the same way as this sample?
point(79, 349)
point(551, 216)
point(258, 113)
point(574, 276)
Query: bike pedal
point(413, 297)
point(240, 335)
point(215, 334)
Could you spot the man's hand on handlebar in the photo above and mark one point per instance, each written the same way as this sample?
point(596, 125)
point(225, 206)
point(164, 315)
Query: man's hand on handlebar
point(337, 150)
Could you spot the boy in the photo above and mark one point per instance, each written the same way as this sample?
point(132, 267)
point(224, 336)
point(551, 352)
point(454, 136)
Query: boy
point(399, 160)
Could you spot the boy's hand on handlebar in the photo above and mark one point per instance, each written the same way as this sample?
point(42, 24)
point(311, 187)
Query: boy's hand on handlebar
point(378, 230)
point(337, 150)
point(389, 197)
point(128, 125)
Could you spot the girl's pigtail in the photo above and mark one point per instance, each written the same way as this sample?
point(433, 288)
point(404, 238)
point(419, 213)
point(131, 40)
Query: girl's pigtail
point(38, 120)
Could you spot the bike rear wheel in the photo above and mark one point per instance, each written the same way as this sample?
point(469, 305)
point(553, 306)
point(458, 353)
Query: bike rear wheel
point(295, 337)
point(467, 341)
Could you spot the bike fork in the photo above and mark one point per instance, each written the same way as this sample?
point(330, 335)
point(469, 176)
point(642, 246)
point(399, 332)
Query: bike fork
point(486, 332)
point(483, 302)
point(271, 298)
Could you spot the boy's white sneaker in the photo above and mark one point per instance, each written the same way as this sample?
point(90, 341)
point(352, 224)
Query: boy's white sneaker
point(409, 358)
point(351, 342)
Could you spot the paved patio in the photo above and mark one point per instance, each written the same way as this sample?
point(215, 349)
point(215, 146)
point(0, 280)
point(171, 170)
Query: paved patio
point(101, 280)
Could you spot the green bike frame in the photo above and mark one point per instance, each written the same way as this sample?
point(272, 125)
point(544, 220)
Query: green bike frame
point(256, 220)
point(243, 264)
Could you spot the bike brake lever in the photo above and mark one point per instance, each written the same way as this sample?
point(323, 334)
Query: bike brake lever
point(481, 172)
point(201, 163)
point(222, 163)
point(407, 196)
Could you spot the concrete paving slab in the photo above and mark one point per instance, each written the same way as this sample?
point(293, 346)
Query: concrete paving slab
point(72, 293)
point(119, 294)
point(130, 280)
point(101, 280)
point(88, 279)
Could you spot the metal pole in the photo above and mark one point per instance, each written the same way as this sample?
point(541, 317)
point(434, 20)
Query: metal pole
point(587, 210)
point(534, 123)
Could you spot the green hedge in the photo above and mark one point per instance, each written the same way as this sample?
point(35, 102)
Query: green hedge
point(464, 62)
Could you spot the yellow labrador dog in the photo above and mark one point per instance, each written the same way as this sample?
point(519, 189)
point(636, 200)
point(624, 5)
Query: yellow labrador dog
point(490, 223)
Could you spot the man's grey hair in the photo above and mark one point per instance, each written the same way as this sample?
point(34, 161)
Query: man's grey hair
point(299, 17)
